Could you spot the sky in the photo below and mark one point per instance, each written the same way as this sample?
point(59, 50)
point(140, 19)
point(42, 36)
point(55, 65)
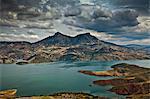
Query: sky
point(117, 21)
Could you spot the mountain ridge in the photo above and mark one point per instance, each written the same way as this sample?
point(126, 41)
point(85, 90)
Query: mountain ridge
point(60, 35)
point(60, 47)
point(61, 39)
point(65, 40)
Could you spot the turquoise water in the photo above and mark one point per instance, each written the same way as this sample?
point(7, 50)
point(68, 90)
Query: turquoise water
point(49, 78)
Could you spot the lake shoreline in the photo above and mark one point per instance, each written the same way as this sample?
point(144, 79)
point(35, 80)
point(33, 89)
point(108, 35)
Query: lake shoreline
point(25, 63)
point(39, 79)
point(62, 95)
point(134, 85)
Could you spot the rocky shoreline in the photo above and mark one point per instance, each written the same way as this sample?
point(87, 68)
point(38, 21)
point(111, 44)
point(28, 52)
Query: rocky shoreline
point(11, 94)
point(129, 80)
point(132, 81)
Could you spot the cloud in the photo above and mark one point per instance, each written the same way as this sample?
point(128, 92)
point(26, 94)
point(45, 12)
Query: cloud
point(39, 5)
point(72, 11)
point(8, 5)
point(27, 24)
point(20, 37)
point(105, 20)
point(140, 42)
point(20, 2)
point(141, 6)
point(122, 26)
point(114, 20)
point(142, 27)
point(143, 41)
point(54, 3)
point(126, 17)
point(101, 12)
point(28, 2)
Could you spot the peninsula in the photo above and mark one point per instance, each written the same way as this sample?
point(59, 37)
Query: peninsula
point(130, 80)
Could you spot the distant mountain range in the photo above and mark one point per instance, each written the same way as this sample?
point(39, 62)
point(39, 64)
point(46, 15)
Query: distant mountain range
point(139, 47)
point(60, 47)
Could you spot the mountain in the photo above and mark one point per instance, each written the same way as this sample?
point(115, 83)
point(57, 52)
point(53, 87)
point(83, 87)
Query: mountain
point(64, 40)
point(60, 47)
point(57, 39)
point(60, 39)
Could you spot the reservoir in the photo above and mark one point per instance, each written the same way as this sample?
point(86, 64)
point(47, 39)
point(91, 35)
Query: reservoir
point(49, 78)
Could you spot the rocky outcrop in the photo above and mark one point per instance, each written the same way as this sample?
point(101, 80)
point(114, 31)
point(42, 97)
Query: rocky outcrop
point(8, 94)
point(139, 96)
point(132, 88)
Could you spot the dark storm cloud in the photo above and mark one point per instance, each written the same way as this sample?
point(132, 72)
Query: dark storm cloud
point(8, 4)
point(8, 1)
point(142, 6)
point(103, 20)
point(125, 18)
point(20, 2)
point(13, 5)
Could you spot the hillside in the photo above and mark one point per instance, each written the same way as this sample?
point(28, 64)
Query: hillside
point(60, 47)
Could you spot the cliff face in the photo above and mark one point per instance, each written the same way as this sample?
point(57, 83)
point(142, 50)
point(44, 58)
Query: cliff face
point(60, 47)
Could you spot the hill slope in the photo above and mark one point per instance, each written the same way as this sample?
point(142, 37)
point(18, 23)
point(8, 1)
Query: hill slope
point(60, 47)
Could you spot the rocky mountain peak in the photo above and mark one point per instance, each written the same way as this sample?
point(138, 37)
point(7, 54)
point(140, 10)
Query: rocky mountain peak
point(61, 39)
point(58, 34)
